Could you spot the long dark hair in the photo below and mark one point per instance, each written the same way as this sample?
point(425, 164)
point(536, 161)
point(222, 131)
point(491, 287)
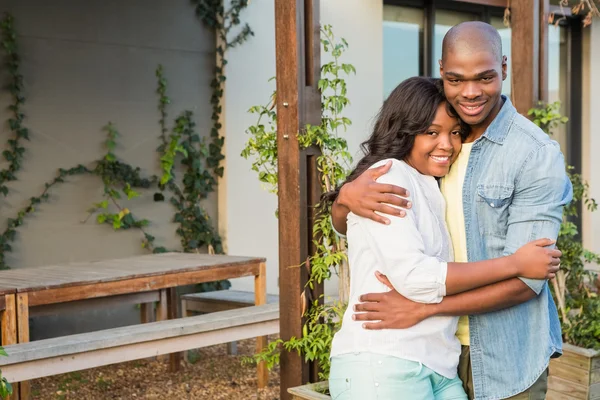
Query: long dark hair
point(408, 111)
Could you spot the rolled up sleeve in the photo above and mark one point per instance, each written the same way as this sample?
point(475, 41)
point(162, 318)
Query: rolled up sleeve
point(541, 192)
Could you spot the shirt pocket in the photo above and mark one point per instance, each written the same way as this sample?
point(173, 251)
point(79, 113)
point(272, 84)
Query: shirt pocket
point(493, 201)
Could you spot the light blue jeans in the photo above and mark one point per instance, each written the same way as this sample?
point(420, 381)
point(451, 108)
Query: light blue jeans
point(369, 376)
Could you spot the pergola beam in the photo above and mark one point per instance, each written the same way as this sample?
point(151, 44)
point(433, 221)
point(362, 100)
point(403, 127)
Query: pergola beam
point(529, 20)
point(298, 103)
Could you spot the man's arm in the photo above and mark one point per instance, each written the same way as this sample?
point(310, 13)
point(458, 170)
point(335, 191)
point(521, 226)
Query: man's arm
point(394, 311)
point(542, 190)
point(364, 197)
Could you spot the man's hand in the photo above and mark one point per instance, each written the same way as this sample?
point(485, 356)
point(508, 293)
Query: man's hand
point(391, 310)
point(364, 196)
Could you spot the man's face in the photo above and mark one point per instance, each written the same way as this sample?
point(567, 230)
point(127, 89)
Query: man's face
point(473, 84)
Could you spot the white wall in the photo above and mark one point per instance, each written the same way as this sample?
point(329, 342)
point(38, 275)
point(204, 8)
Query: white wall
point(248, 224)
point(591, 135)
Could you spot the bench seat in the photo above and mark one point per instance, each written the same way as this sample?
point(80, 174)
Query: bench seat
point(60, 355)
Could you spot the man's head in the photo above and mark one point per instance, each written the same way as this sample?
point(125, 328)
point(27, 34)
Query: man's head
point(473, 68)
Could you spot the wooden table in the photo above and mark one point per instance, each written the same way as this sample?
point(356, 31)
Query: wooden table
point(142, 279)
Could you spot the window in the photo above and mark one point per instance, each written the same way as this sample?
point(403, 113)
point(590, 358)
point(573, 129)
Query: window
point(413, 31)
point(402, 45)
point(444, 20)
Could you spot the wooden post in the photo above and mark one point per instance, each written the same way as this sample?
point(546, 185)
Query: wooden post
point(260, 298)
point(9, 331)
point(543, 49)
point(23, 337)
point(172, 304)
point(525, 24)
point(298, 103)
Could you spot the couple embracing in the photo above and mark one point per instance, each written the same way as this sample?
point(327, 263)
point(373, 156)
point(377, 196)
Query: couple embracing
point(451, 218)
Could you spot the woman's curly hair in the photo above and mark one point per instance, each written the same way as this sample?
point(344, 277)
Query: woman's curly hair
point(407, 112)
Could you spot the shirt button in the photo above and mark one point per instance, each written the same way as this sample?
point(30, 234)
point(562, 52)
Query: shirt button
point(492, 205)
point(379, 362)
point(376, 384)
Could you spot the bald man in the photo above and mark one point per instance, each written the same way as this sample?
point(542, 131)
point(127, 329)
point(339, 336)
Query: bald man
point(507, 187)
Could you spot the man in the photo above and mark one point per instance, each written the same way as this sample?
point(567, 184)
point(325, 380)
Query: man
point(507, 187)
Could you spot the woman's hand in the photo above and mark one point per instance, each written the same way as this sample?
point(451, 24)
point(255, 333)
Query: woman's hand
point(537, 261)
point(364, 196)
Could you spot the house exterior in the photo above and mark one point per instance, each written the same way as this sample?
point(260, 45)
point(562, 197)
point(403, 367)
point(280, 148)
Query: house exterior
point(386, 45)
point(88, 63)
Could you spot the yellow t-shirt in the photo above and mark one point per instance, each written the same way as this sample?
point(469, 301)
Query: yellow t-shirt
point(451, 186)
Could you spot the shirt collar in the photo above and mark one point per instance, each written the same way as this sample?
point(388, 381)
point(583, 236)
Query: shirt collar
point(500, 126)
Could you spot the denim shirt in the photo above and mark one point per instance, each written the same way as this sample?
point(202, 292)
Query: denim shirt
point(514, 192)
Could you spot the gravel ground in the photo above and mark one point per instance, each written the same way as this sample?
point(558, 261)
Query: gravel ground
point(212, 375)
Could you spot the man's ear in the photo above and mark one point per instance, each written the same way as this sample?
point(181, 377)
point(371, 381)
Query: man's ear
point(441, 67)
point(504, 67)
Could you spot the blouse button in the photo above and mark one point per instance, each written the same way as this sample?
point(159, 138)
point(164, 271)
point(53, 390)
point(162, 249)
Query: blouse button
point(492, 205)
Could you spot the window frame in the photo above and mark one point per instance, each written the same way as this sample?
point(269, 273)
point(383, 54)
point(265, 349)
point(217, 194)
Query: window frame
point(486, 9)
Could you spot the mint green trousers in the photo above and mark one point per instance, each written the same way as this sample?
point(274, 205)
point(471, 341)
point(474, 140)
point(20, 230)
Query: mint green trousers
point(368, 376)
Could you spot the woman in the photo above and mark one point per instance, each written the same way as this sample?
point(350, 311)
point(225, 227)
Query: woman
point(419, 132)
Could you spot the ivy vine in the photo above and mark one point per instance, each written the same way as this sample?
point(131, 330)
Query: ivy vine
point(15, 151)
point(214, 15)
point(181, 144)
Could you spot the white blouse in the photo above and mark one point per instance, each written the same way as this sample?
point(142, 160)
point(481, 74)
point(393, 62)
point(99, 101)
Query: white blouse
point(413, 252)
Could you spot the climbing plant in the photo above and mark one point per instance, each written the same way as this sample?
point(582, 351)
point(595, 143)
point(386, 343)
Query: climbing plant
point(199, 158)
point(333, 163)
point(216, 17)
point(14, 153)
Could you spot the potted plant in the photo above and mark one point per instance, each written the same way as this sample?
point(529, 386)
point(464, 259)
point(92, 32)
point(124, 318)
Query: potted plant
point(576, 374)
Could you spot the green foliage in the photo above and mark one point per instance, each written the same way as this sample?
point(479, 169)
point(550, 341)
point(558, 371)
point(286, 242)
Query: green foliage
point(322, 322)
point(548, 116)
point(163, 101)
point(573, 288)
point(15, 151)
point(120, 182)
point(222, 21)
point(333, 162)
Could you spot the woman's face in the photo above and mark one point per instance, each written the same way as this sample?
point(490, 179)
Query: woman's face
point(435, 150)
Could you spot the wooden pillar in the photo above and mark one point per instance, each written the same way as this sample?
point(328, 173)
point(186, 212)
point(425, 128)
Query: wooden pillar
point(298, 103)
point(525, 24)
point(543, 50)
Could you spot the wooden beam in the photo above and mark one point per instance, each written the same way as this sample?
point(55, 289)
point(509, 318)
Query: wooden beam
point(23, 337)
point(260, 298)
point(142, 284)
point(298, 103)
point(525, 24)
point(490, 3)
point(543, 50)
point(9, 331)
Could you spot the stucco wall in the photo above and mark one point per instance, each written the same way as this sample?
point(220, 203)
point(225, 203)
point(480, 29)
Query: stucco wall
point(86, 63)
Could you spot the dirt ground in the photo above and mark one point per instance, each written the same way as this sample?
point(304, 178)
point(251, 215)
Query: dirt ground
point(211, 375)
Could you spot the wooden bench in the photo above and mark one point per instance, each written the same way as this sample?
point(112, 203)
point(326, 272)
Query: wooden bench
point(65, 354)
point(220, 300)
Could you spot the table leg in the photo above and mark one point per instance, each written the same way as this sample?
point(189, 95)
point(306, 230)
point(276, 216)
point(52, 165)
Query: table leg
point(9, 331)
point(146, 312)
point(162, 312)
point(23, 336)
point(260, 298)
point(172, 303)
